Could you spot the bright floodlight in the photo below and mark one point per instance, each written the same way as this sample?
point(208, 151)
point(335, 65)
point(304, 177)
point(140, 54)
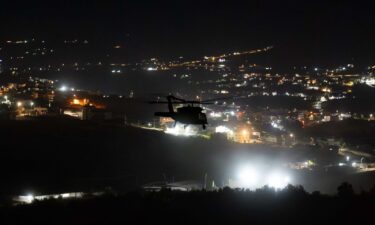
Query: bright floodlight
point(278, 181)
point(223, 129)
point(248, 177)
point(181, 130)
point(63, 88)
point(29, 198)
point(19, 104)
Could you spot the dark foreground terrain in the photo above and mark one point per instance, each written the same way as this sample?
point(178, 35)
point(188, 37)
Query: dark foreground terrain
point(57, 155)
point(291, 205)
point(63, 155)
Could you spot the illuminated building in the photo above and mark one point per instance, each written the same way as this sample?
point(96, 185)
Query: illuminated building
point(79, 102)
point(165, 121)
point(243, 134)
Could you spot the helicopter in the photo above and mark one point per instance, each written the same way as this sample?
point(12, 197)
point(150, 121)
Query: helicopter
point(187, 114)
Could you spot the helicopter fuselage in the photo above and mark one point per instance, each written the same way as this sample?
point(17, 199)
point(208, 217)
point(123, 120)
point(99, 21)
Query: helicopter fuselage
point(186, 114)
point(190, 115)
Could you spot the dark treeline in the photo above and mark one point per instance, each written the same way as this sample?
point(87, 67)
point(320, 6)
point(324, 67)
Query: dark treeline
point(292, 205)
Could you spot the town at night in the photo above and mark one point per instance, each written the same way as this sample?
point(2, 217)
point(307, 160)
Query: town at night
point(187, 112)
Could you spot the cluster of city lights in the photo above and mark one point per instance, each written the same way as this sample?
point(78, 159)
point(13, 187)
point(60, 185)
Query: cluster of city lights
point(6, 100)
point(223, 129)
point(30, 198)
point(352, 163)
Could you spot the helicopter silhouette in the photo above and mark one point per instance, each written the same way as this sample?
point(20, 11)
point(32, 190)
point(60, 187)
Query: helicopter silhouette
point(187, 114)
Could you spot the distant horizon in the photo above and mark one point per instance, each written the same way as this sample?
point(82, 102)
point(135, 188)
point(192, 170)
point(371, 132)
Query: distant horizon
point(323, 32)
point(274, 57)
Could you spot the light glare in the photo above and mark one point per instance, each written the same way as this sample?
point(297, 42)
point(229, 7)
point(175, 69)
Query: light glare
point(248, 177)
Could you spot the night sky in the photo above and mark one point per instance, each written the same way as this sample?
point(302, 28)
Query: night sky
point(320, 32)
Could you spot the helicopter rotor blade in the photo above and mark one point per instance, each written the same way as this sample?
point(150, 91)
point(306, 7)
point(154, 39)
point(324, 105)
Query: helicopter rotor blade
point(157, 102)
point(225, 98)
point(215, 101)
point(199, 103)
point(179, 103)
